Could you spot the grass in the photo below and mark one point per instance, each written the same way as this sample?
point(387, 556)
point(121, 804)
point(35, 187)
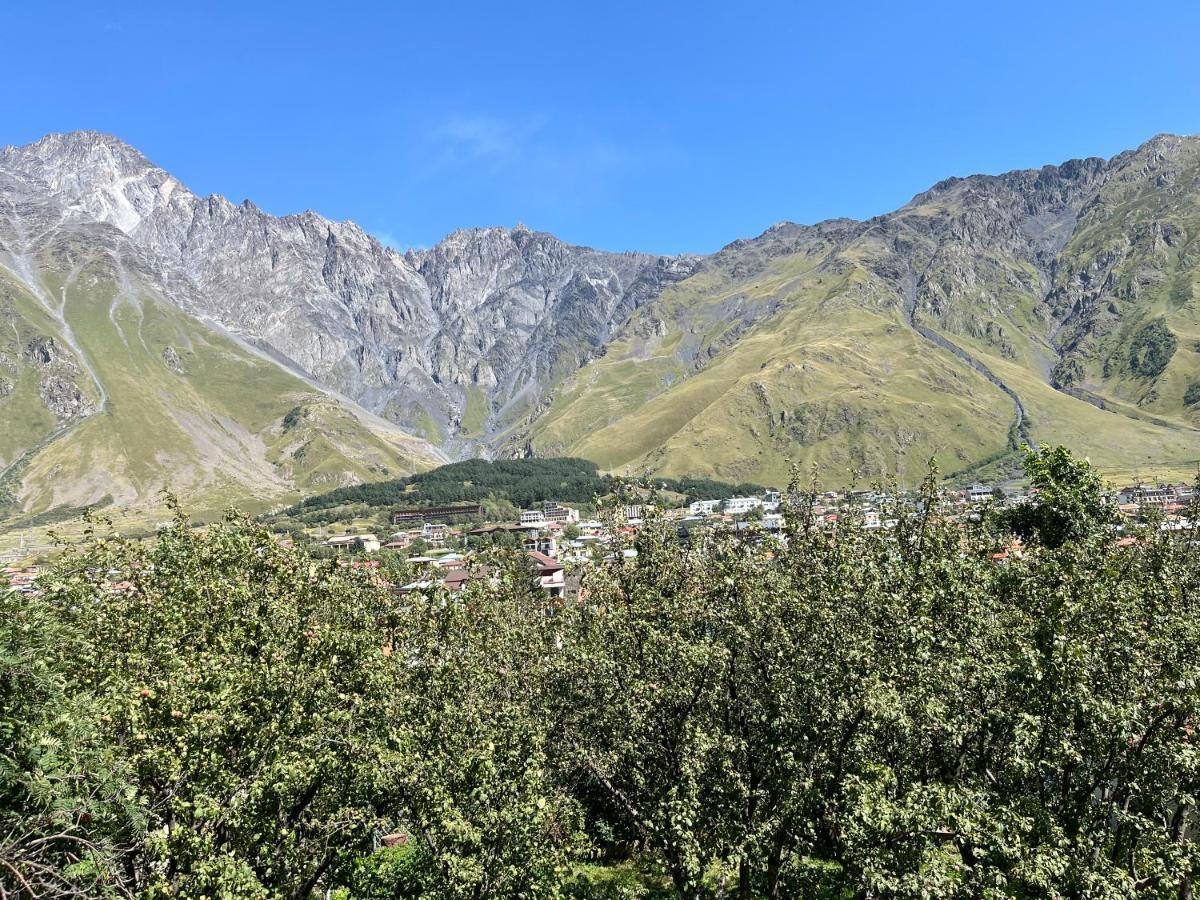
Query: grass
point(761, 362)
point(214, 434)
point(817, 383)
point(475, 413)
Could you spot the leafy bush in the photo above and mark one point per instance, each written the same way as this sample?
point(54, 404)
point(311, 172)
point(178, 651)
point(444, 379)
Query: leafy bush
point(885, 712)
point(1151, 349)
point(1192, 395)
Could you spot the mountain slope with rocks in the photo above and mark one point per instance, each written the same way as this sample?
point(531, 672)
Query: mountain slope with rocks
point(454, 343)
point(113, 389)
point(1055, 304)
point(1047, 305)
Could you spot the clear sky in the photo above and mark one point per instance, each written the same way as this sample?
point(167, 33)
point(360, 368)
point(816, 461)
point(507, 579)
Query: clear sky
point(669, 127)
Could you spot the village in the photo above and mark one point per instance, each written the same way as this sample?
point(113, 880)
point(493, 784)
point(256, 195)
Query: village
point(441, 545)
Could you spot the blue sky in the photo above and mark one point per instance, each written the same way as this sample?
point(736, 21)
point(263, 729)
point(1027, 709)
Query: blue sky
point(670, 127)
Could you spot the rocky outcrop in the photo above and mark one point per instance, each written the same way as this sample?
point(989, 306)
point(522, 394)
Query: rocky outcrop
point(63, 397)
point(171, 358)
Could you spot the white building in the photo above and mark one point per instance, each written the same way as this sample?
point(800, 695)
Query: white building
point(435, 532)
point(737, 506)
point(546, 544)
point(704, 507)
point(533, 517)
point(554, 512)
point(977, 493)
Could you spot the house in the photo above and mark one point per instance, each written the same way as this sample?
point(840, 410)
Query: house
point(435, 533)
point(633, 512)
point(354, 543)
point(533, 517)
point(704, 507)
point(773, 521)
point(546, 544)
point(550, 573)
point(556, 513)
point(1014, 549)
point(401, 540)
point(771, 497)
point(456, 579)
point(20, 580)
point(739, 506)
point(977, 493)
point(591, 528)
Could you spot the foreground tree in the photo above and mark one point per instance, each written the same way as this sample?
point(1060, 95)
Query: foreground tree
point(244, 687)
point(851, 713)
point(64, 814)
point(1070, 501)
point(470, 776)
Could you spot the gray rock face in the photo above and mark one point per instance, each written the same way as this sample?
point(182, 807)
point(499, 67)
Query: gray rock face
point(489, 314)
point(62, 396)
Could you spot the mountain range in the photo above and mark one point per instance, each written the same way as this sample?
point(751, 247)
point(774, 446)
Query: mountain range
point(153, 338)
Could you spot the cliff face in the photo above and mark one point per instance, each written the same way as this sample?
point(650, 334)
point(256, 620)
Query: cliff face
point(117, 378)
point(472, 328)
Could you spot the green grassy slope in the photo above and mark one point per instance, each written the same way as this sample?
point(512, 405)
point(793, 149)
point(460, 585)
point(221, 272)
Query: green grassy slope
point(828, 375)
point(1136, 254)
point(185, 409)
point(804, 354)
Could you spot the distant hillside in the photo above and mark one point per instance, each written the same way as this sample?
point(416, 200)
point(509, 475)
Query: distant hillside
point(1051, 305)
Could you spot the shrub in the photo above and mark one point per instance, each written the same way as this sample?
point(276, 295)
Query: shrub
point(1151, 349)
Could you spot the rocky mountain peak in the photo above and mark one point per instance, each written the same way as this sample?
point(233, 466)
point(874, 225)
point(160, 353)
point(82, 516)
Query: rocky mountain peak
point(95, 176)
point(414, 336)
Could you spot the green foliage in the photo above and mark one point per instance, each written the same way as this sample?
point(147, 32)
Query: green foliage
point(621, 881)
point(950, 727)
point(63, 810)
point(522, 482)
point(233, 674)
point(1181, 290)
point(292, 418)
point(1192, 395)
point(884, 713)
point(1151, 349)
point(390, 873)
point(473, 768)
point(501, 486)
point(1070, 503)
